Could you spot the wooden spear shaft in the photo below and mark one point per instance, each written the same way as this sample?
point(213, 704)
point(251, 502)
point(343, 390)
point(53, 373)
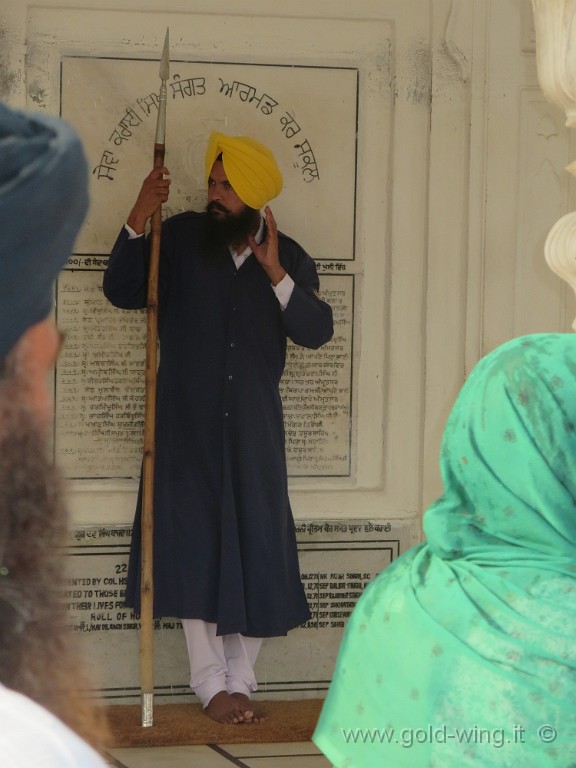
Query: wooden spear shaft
point(147, 516)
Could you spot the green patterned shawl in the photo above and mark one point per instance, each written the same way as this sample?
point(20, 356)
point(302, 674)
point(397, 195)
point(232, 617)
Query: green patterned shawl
point(463, 651)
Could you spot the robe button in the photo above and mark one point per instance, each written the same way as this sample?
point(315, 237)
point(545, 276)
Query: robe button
point(229, 378)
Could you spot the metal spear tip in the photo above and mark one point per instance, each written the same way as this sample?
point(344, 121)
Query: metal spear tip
point(165, 61)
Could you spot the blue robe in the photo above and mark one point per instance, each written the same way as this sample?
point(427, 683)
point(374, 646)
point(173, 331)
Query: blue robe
point(224, 540)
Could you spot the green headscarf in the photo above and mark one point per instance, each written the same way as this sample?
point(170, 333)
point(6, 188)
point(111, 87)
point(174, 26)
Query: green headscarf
point(463, 651)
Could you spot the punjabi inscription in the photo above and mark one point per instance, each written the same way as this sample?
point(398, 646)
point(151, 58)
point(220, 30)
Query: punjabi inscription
point(99, 379)
point(182, 88)
point(96, 588)
point(100, 384)
point(337, 559)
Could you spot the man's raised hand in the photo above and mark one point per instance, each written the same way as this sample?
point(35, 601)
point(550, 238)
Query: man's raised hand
point(154, 191)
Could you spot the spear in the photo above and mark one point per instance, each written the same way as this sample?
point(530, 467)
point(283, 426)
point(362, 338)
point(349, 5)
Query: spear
point(147, 584)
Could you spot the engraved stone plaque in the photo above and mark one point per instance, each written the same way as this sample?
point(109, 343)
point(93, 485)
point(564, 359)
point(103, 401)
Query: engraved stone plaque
point(337, 559)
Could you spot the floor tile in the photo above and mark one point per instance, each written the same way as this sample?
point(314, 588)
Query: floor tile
point(169, 757)
point(292, 755)
point(287, 761)
point(270, 750)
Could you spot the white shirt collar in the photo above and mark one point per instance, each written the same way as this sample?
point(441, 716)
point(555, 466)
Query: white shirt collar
point(240, 258)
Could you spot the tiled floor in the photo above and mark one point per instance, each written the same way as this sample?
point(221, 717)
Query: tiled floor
point(293, 755)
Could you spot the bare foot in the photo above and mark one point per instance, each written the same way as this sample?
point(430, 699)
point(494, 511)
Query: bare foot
point(252, 714)
point(224, 708)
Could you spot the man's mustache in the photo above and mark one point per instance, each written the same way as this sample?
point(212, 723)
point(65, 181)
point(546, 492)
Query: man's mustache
point(214, 206)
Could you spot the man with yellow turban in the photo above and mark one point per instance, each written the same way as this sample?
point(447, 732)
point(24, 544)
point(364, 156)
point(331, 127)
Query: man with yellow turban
point(232, 290)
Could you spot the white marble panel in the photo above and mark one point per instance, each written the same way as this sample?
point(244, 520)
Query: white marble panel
point(337, 560)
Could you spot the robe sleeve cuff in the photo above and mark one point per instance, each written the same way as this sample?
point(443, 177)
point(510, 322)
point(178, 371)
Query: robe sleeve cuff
point(284, 290)
point(132, 235)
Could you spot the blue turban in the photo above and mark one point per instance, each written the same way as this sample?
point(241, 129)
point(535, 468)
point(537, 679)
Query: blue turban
point(43, 201)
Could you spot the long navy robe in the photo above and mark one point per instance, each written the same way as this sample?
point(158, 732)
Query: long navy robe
point(224, 540)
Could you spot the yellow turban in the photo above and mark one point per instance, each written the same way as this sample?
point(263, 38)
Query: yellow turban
point(249, 166)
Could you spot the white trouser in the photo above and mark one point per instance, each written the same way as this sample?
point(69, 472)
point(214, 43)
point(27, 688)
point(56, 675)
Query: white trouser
point(219, 662)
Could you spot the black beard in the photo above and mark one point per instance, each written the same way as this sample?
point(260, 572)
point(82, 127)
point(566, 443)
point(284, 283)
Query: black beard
point(230, 228)
point(37, 655)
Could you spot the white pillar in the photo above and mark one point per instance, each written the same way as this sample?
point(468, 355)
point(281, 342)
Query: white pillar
point(555, 23)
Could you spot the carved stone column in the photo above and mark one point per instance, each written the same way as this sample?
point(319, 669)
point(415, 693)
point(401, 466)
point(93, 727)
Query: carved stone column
point(555, 23)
